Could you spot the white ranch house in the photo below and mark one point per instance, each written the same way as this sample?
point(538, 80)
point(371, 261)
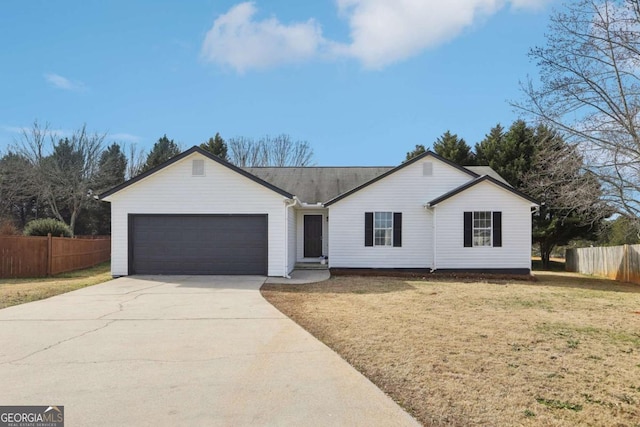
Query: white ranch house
point(197, 214)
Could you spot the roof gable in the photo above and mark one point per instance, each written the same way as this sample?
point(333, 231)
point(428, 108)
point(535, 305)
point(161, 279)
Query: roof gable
point(470, 184)
point(428, 153)
point(194, 149)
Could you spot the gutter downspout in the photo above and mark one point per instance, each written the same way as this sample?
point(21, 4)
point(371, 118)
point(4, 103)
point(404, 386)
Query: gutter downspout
point(288, 203)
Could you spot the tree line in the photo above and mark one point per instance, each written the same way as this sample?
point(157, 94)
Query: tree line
point(46, 176)
point(43, 176)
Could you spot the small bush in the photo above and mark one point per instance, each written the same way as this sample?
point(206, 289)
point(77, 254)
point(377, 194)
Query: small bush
point(8, 228)
point(44, 226)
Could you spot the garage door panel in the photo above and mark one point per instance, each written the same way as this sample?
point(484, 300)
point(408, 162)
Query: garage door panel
point(198, 244)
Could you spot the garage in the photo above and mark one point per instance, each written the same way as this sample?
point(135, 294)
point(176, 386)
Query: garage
point(198, 244)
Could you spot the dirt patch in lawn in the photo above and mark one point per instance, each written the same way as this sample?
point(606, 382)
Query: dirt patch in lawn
point(563, 350)
point(20, 291)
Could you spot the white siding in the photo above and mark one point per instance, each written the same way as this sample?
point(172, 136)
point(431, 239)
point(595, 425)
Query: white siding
point(173, 190)
point(516, 230)
point(300, 231)
point(406, 191)
point(291, 239)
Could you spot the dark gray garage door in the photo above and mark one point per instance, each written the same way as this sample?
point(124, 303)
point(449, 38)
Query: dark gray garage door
point(198, 244)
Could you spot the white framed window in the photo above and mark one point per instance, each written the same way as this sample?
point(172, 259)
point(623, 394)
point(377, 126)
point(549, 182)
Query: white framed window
point(482, 229)
point(383, 228)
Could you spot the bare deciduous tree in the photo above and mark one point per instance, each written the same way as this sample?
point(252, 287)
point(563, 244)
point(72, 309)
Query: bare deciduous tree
point(571, 205)
point(269, 151)
point(245, 152)
point(18, 196)
point(558, 178)
point(136, 158)
point(590, 91)
point(63, 169)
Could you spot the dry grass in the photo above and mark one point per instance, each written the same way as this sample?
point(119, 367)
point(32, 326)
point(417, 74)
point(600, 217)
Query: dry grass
point(562, 351)
point(19, 291)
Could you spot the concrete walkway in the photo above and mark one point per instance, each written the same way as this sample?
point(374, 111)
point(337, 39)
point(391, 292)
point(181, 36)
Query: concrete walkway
point(168, 350)
point(301, 277)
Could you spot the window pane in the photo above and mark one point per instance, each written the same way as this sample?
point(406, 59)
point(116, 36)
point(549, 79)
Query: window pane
point(383, 229)
point(380, 238)
point(481, 237)
point(482, 228)
point(388, 237)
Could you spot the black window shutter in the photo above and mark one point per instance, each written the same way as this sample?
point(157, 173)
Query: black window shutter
point(468, 229)
point(397, 229)
point(497, 229)
point(368, 228)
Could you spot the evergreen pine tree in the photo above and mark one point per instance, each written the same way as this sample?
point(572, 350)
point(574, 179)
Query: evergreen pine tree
point(162, 151)
point(453, 148)
point(510, 154)
point(217, 146)
point(416, 152)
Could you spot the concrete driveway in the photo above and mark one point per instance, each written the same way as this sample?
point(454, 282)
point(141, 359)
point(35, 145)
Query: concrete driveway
point(179, 350)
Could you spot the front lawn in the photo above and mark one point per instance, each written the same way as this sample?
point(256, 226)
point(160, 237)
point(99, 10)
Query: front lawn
point(564, 350)
point(19, 291)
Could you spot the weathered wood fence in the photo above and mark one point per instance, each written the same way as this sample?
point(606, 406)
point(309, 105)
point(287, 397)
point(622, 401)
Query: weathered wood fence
point(22, 256)
point(615, 262)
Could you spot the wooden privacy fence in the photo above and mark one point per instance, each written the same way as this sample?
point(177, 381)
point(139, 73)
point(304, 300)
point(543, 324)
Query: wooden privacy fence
point(615, 262)
point(22, 256)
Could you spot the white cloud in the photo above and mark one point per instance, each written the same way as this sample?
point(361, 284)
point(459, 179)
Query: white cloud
point(530, 4)
point(381, 32)
point(386, 31)
point(239, 41)
point(61, 82)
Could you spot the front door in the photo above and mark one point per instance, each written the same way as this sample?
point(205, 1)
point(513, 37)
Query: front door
point(312, 236)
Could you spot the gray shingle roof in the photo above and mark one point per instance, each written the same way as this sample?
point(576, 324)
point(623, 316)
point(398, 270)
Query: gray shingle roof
point(317, 184)
point(486, 170)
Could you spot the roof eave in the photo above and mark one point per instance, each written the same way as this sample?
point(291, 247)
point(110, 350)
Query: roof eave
point(473, 183)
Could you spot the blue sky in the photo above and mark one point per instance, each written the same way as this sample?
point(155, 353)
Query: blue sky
point(363, 81)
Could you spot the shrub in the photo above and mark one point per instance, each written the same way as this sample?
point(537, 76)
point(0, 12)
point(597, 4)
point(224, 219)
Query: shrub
point(44, 226)
point(8, 228)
